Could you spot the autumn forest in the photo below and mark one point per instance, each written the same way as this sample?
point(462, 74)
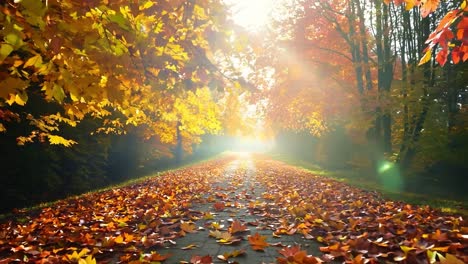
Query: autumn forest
point(319, 118)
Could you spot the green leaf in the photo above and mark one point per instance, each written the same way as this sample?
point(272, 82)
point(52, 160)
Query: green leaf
point(14, 40)
point(5, 50)
point(120, 20)
point(35, 61)
point(58, 93)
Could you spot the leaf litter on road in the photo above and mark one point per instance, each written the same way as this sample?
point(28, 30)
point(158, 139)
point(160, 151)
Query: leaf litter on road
point(129, 224)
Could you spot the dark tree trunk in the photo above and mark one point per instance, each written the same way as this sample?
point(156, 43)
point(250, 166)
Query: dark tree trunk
point(385, 76)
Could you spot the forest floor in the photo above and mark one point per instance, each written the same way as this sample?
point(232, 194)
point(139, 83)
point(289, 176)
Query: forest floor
point(235, 209)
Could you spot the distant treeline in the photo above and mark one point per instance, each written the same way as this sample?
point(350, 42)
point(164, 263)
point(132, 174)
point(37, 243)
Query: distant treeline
point(438, 168)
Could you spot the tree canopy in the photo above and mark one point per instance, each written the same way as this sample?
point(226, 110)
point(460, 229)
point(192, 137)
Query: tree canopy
point(126, 63)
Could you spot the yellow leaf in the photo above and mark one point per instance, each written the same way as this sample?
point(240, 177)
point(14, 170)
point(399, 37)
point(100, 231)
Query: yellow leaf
point(5, 50)
point(14, 39)
point(208, 216)
point(426, 57)
point(58, 140)
point(58, 93)
point(34, 61)
point(119, 239)
point(450, 259)
point(191, 246)
point(128, 237)
point(431, 256)
point(21, 98)
point(199, 12)
point(441, 249)
point(146, 5)
point(73, 257)
point(88, 260)
point(83, 252)
point(409, 4)
point(406, 249)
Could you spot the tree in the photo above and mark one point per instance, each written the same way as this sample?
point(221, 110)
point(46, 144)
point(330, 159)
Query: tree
point(121, 62)
point(365, 55)
point(451, 33)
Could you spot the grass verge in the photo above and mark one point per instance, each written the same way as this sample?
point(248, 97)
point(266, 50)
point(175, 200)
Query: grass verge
point(21, 215)
point(368, 181)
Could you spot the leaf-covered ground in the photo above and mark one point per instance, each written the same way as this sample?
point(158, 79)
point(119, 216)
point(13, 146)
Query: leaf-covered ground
point(235, 210)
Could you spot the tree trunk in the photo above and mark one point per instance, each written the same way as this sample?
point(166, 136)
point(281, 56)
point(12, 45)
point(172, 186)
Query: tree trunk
point(385, 76)
point(179, 149)
point(408, 147)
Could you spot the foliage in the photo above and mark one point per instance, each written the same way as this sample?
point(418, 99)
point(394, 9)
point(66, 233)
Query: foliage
point(125, 64)
point(451, 34)
point(361, 74)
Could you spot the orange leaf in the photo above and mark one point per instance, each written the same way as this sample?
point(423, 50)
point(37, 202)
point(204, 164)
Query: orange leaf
point(289, 251)
point(201, 260)
point(155, 256)
point(219, 206)
point(119, 239)
point(237, 227)
point(188, 227)
point(450, 259)
point(439, 236)
point(258, 242)
point(428, 6)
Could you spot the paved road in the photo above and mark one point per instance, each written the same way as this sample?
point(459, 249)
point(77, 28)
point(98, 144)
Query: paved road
point(238, 183)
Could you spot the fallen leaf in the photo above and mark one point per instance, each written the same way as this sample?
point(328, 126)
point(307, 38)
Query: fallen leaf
point(258, 242)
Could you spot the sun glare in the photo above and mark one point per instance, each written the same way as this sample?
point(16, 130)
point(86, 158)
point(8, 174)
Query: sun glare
point(251, 14)
point(251, 144)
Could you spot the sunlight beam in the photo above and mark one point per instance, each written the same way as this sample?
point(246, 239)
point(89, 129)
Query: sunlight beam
point(252, 15)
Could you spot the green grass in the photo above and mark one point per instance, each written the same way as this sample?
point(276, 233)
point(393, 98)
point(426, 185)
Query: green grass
point(368, 181)
point(22, 215)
